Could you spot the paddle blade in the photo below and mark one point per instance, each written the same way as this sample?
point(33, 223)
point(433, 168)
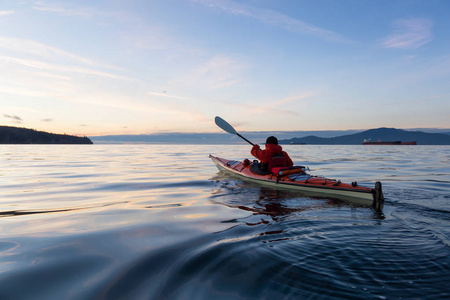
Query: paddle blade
point(224, 125)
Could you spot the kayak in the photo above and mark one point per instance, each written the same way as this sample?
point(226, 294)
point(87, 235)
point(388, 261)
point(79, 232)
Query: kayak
point(296, 179)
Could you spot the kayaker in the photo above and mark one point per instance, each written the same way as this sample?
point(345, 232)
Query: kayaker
point(272, 154)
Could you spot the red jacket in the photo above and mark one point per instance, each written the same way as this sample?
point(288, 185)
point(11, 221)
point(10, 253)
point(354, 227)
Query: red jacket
point(267, 154)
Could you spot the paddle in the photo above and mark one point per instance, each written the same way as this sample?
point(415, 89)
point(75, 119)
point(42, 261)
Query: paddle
point(228, 128)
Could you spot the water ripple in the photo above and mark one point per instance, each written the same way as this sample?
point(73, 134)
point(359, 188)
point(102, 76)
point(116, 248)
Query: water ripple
point(159, 222)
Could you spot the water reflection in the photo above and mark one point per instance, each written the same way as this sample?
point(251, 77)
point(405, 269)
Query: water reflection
point(276, 203)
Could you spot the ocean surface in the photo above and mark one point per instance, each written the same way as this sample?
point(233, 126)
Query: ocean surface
point(161, 222)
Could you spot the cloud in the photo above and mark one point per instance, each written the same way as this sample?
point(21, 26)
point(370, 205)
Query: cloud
point(150, 39)
point(217, 72)
point(273, 18)
point(44, 51)
point(409, 34)
point(67, 9)
point(47, 120)
point(284, 101)
point(168, 95)
point(61, 68)
point(58, 8)
point(27, 92)
point(48, 75)
point(16, 119)
point(252, 109)
point(6, 12)
point(284, 106)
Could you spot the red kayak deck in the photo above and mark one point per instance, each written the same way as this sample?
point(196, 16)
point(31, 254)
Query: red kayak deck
point(304, 182)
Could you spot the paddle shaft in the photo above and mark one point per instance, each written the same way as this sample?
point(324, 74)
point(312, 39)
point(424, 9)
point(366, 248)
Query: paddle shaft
point(245, 139)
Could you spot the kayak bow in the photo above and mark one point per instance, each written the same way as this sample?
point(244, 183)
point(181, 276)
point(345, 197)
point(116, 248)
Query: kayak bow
point(303, 182)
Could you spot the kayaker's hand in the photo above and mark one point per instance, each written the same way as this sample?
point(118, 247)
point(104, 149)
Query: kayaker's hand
point(256, 147)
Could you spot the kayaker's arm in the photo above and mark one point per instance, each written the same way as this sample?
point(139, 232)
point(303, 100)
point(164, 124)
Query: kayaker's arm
point(256, 151)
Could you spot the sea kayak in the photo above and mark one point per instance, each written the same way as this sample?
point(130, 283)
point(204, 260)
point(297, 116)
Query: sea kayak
point(296, 179)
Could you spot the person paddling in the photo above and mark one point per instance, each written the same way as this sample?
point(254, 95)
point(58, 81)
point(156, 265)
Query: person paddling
point(272, 156)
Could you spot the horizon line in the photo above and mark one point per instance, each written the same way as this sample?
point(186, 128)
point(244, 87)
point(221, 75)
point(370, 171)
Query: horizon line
point(273, 131)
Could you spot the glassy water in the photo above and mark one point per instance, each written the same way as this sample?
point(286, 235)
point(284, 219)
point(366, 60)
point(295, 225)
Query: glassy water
point(160, 222)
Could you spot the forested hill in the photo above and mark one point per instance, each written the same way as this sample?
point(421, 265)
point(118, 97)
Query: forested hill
point(16, 135)
point(383, 134)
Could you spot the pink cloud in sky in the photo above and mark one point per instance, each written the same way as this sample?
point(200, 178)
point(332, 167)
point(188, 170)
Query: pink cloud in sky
point(409, 34)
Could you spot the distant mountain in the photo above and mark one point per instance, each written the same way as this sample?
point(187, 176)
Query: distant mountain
point(257, 137)
point(16, 135)
point(383, 134)
point(431, 130)
point(211, 138)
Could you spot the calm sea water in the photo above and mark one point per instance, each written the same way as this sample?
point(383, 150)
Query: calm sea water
point(160, 222)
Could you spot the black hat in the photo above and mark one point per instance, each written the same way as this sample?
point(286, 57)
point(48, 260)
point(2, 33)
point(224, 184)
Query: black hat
point(272, 140)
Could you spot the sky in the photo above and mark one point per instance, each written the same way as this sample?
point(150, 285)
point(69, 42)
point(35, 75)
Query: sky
point(153, 66)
